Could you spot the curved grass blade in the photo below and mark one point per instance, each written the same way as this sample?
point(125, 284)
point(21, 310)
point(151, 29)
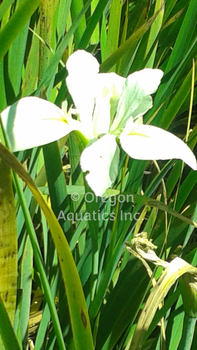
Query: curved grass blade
point(143, 200)
point(176, 268)
point(8, 243)
point(76, 301)
point(40, 265)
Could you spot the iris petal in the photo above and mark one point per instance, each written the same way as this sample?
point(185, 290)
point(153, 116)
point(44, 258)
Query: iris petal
point(135, 99)
point(33, 122)
point(150, 142)
point(109, 88)
point(101, 159)
point(81, 81)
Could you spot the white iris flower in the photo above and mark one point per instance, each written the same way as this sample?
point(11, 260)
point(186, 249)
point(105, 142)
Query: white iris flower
point(109, 108)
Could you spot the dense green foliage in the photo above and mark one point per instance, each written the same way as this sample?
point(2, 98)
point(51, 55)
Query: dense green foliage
point(36, 39)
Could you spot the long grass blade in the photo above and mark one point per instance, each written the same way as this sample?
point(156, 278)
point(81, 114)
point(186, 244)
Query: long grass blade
point(76, 301)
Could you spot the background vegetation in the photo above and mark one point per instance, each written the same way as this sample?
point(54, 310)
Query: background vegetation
point(36, 39)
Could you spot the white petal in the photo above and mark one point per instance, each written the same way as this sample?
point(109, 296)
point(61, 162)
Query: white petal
point(32, 122)
point(150, 142)
point(101, 117)
point(82, 63)
point(112, 82)
point(81, 81)
point(101, 159)
point(135, 99)
point(109, 87)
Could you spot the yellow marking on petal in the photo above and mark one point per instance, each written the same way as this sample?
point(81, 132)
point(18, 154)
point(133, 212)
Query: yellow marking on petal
point(65, 120)
point(137, 134)
point(62, 119)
